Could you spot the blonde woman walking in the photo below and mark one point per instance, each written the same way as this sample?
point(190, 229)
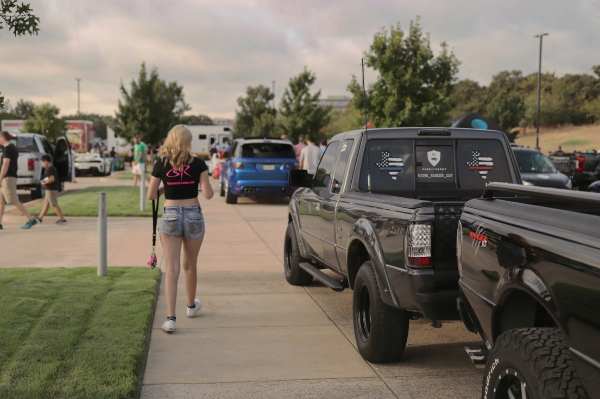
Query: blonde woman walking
point(182, 223)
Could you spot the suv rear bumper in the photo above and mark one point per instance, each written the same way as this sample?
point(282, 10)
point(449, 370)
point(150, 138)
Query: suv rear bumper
point(261, 187)
point(415, 290)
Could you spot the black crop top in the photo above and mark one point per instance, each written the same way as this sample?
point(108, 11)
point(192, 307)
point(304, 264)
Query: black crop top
point(180, 185)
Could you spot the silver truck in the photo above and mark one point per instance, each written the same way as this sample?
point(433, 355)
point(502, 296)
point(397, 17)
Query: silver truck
point(31, 147)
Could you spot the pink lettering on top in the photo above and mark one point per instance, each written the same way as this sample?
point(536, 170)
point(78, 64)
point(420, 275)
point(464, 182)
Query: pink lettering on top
point(175, 173)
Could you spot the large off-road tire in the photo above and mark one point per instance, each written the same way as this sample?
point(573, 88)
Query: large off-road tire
point(380, 330)
point(230, 198)
point(531, 363)
point(294, 274)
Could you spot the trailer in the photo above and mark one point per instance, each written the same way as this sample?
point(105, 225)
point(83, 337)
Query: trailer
point(204, 136)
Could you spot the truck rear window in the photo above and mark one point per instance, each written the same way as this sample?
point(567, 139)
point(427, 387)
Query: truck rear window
point(268, 150)
point(399, 165)
point(24, 144)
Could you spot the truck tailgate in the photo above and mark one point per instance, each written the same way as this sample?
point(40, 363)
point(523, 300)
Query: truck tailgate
point(447, 216)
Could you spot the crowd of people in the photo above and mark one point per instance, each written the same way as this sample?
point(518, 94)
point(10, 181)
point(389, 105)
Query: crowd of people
point(308, 153)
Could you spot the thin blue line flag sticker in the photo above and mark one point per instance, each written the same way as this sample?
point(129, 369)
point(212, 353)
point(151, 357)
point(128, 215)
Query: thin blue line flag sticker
point(392, 165)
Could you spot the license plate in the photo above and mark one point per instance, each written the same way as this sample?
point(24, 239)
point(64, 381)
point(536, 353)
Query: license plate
point(268, 167)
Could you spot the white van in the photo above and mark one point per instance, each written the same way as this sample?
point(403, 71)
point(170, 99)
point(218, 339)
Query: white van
point(204, 136)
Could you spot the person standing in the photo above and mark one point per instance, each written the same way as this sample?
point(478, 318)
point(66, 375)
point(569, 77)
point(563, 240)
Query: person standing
point(182, 223)
point(310, 157)
point(323, 145)
point(52, 185)
point(298, 147)
point(140, 152)
point(113, 159)
point(8, 181)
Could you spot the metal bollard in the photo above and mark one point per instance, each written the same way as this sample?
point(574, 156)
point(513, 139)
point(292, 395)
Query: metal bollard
point(102, 235)
point(143, 192)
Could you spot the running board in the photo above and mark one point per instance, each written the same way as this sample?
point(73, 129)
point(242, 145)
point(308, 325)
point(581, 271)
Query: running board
point(322, 277)
point(478, 355)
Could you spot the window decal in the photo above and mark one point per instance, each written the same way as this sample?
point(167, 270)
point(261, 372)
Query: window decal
point(481, 164)
point(434, 157)
point(392, 165)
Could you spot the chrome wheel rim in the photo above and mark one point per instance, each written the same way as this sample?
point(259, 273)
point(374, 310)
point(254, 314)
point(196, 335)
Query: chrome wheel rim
point(364, 313)
point(511, 385)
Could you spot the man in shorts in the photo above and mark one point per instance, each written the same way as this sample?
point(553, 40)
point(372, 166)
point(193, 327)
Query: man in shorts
point(140, 151)
point(51, 185)
point(8, 180)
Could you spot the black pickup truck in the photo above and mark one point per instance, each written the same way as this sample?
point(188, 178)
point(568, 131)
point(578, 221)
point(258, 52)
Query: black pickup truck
point(381, 213)
point(529, 263)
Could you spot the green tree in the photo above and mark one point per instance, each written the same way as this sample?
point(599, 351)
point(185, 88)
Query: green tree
point(24, 109)
point(414, 86)
point(468, 96)
point(256, 115)
point(302, 113)
point(150, 108)
point(196, 120)
point(349, 119)
point(505, 102)
point(45, 120)
point(20, 21)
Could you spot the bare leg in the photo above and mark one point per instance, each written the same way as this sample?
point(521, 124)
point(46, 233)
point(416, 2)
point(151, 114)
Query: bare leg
point(135, 180)
point(2, 204)
point(172, 250)
point(22, 209)
point(59, 212)
point(191, 248)
point(44, 210)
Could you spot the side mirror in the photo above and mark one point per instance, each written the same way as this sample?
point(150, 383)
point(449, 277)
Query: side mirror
point(299, 178)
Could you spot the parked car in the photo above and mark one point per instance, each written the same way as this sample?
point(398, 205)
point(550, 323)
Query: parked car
point(92, 163)
point(31, 147)
point(381, 213)
point(583, 168)
point(594, 187)
point(257, 167)
point(537, 170)
point(529, 264)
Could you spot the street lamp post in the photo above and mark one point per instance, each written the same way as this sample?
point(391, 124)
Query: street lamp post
point(78, 103)
point(273, 94)
point(537, 124)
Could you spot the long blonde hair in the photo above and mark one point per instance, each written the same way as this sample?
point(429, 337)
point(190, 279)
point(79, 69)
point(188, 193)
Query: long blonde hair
point(176, 149)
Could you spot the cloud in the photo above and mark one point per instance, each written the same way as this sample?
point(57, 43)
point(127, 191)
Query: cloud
point(216, 49)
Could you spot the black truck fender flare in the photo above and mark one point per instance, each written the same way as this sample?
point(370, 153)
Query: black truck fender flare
point(293, 217)
point(363, 231)
point(515, 293)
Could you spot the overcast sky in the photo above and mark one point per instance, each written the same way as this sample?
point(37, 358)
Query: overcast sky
point(215, 49)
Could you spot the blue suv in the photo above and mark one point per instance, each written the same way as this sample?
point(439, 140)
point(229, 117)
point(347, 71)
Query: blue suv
point(257, 167)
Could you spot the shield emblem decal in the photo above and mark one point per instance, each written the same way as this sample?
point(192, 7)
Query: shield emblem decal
point(434, 157)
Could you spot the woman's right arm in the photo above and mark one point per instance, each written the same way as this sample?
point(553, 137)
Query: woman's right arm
point(207, 190)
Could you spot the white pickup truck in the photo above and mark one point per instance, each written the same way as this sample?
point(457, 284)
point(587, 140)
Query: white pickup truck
point(31, 147)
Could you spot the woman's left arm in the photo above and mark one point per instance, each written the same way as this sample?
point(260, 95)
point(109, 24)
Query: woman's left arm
point(207, 190)
point(153, 191)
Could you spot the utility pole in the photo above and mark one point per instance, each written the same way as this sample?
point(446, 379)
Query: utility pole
point(274, 95)
point(78, 103)
point(537, 124)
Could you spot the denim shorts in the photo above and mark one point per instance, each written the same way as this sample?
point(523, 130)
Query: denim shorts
point(182, 221)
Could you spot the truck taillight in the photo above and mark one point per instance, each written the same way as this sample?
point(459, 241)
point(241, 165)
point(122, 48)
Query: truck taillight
point(238, 165)
point(580, 164)
point(31, 164)
point(419, 244)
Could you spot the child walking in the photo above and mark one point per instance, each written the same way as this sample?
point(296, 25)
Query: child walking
point(51, 186)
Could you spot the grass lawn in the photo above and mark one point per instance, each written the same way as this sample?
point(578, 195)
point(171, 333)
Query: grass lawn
point(67, 333)
point(129, 176)
point(121, 201)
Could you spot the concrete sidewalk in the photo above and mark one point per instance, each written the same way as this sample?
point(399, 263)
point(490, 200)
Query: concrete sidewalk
point(259, 337)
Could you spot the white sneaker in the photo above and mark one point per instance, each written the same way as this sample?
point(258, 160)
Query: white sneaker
point(191, 312)
point(168, 326)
